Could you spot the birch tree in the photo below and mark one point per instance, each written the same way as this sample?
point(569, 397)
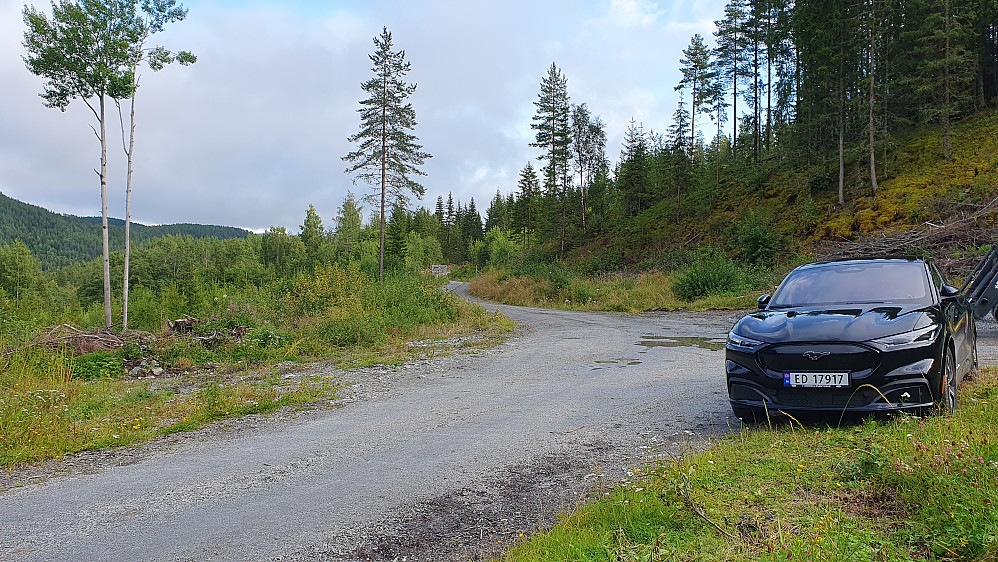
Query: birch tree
point(85, 51)
point(156, 14)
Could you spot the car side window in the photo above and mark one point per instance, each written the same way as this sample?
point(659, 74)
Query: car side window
point(937, 278)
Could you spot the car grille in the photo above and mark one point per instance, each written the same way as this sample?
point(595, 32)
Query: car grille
point(825, 397)
point(825, 357)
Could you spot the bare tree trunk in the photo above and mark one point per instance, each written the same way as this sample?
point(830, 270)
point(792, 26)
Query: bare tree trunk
point(384, 186)
point(947, 140)
point(873, 163)
point(693, 121)
point(769, 80)
point(104, 233)
point(128, 204)
point(842, 126)
point(734, 111)
point(755, 95)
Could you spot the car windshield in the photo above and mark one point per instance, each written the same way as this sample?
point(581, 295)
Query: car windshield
point(871, 282)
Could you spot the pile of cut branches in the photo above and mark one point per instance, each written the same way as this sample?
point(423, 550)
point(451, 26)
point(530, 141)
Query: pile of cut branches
point(947, 243)
point(80, 341)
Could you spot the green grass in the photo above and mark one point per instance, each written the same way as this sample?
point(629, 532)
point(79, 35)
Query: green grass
point(908, 488)
point(55, 400)
point(627, 293)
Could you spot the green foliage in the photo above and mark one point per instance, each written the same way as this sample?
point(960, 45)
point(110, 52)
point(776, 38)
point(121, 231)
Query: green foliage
point(757, 242)
point(97, 365)
point(708, 273)
point(388, 154)
point(60, 240)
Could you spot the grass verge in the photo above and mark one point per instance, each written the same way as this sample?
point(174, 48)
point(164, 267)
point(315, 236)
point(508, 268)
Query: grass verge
point(904, 489)
point(607, 293)
point(54, 402)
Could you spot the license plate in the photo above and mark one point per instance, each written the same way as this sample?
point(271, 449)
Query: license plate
point(816, 379)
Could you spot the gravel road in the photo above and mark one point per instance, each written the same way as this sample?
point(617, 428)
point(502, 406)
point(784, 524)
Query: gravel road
point(441, 459)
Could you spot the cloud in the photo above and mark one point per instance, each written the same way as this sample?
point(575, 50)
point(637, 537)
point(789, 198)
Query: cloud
point(254, 132)
point(633, 13)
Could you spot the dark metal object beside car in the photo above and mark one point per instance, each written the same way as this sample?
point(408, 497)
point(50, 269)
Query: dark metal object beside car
point(857, 336)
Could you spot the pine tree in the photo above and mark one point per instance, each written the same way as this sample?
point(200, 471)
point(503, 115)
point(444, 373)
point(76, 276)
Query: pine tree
point(388, 154)
point(632, 171)
point(554, 136)
point(730, 57)
point(440, 208)
point(698, 80)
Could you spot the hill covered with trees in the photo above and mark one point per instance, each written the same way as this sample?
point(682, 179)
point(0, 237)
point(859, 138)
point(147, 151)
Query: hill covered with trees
point(58, 240)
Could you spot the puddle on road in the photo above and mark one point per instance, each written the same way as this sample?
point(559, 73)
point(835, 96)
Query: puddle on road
point(713, 344)
point(621, 362)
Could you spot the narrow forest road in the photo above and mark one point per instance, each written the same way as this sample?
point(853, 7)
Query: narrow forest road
point(438, 460)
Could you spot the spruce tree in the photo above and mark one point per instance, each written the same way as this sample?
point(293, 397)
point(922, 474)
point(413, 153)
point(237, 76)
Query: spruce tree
point(388, 155)
point(528, 203)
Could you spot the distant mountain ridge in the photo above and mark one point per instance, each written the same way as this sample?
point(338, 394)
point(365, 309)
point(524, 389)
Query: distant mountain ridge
point(58, 239)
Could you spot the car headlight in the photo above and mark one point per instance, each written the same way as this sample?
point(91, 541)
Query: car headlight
point(915, 338)
point(741, 343)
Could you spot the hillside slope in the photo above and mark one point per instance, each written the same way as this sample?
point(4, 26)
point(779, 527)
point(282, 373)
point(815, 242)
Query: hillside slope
point(59, 240)
point(788, 205)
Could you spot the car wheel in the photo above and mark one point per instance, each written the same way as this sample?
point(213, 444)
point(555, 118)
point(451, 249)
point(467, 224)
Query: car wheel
point(949, 383)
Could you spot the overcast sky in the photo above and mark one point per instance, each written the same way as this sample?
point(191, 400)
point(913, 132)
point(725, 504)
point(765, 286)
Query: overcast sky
point(255, 131)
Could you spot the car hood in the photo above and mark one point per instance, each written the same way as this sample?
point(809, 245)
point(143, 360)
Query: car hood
point(838, 323)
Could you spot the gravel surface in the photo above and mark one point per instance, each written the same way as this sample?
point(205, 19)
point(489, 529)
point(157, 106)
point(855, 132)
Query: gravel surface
point(450, 458)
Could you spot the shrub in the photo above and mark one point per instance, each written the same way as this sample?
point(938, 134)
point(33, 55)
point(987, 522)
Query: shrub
point(757, 241)
point(709, 273)
point(97, 365)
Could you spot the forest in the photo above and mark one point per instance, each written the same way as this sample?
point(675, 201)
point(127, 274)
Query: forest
point(59, 240)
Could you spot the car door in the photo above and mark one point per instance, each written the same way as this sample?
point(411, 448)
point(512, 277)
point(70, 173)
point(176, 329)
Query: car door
point(959, 322)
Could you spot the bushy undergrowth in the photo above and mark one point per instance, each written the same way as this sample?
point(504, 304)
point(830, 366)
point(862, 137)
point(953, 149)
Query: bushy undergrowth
point(56, 399)
point(708, 273)
point(904, 489)
point(709, 280)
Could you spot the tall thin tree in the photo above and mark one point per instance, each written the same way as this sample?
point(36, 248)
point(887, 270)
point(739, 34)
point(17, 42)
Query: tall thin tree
point(554, 136)
point(387, 154)
point(156, 14)
point(697, 77)
point(86, 51)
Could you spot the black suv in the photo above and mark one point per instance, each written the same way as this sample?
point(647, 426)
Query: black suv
point(853, 336)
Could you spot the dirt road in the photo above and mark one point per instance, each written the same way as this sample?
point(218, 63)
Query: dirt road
point(441, 459)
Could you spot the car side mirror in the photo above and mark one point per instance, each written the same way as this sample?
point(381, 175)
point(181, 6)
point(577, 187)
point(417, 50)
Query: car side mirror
point(763, 300)
point(947, 292)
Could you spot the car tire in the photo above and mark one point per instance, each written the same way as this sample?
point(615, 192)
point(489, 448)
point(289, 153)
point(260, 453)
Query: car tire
point(948, 400)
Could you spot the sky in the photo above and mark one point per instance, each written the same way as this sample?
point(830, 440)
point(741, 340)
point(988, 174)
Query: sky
point(255, 131)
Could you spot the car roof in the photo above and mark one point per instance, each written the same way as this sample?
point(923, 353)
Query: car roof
point(863, 261)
